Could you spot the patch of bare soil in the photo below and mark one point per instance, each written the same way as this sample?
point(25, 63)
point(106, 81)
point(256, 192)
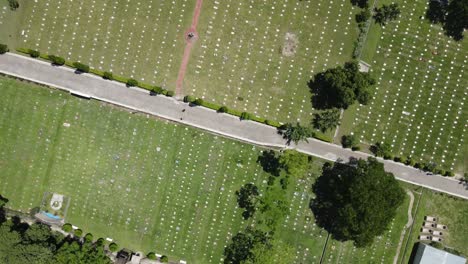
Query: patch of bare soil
point(290, 44)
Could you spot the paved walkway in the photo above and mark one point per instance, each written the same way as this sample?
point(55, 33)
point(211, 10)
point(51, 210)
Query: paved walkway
point(207, 119)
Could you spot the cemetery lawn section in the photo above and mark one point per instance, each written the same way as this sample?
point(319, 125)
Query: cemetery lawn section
point(258, 56)
point(149, 184)
point(254, 56)
point(419, 103)
point(450, 211)
point(138, 39)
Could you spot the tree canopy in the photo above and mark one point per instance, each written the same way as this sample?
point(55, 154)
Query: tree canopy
point(340, 87)
point(356, 201)
point(247, 199)
point(295, 133)
point(386, 13)
point(295, 163)
point(326, 120)
point(381, 149)
point(241, 248)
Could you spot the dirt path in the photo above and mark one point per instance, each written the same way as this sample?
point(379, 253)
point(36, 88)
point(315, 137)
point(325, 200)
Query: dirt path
point(190, 36)
point(408, 225)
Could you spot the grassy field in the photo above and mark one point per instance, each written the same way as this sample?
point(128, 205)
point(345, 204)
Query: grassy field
point(452, 212)
point(419, 104)
point(237, 59)
point(140, 39)
point(148, 184)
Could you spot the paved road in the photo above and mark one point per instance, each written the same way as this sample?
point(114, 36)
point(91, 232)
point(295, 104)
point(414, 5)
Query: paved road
point(169, 108)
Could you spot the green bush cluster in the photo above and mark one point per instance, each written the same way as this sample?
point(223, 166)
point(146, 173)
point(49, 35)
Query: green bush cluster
point(113, 247)
point(245, 116)
point(88, 237)
point(151, 256)
point(67, 227)
point(81, 67)
point(164, 259)
point(78, 232)
point(108, 76)
point(132, 82)
point(34, 53)
point(56, 60)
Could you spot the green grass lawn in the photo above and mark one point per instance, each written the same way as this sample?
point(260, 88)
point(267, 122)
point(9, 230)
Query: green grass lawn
point(149, 184)
point(419, 102)
point(452, 212)
point(236, 61)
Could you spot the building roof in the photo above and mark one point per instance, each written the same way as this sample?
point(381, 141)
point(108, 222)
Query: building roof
point(430, 255)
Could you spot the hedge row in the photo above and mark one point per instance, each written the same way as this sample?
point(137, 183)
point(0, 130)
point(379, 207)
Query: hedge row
point(85, 68)
point(427, 167)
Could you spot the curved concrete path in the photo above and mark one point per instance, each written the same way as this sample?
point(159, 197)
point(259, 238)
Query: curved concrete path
point(207, 119)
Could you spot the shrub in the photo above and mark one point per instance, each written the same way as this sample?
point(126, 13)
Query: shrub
point(417, 165)
point(81, 67)
point(88, 237)
point(108, 76)
point(100, 241)
point(363, 16)
point(189, 99)
point(388, 156)
point(13, 4)
point(113, 247)
point(151, 256)
point(397, 159)
point(67, 227)
point(223, 109)
point(409, 161)
point(78, 232)
point(132, 82)
point(3, 49)
point(169, 93)
point(440, 172)
point(56, 60)
point(272, 123)
point(355, 148)
point(199, 101)
point(245, 116)
point(449, 173)
point(157, 90)
point(349, 141)
point(34, 53)
point(164, 259)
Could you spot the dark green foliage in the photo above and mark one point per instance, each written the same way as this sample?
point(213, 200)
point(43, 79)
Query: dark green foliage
point(355, 148)
point(34, 53)
point(349, 141)
point(88, 237)
point(247, 198)
point(437, 245)
point(340, 87)
point(436, 11)
point(245, 116)
point(360, 3)
point(108, 76)
point(157, 90)
point(326, 120)
point(397, 159)
point(295, 133)
point(189, 99)
point(240, 249)
point(56, 60)
point(346, 199)
point(386, 13)
point(3, 49)
point(78, 232)
point(3, 201)
point(272, 123)
point(81, 67)
point(269, 162)
point(170, 93)
point(164, 259)
point(457, 19)
point(13, 4)
point(418, 165)
point(100, 241)
point(67, 227)
point(409, 161)
point(113, 247)
point(198, 101)
point(381, 149)
point(132, 82)
point(37, 243)
point(449, 173)
point(151, 256)
point(223, 109)
point(363, 16)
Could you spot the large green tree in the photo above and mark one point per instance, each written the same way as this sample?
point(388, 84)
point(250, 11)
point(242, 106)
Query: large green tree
point(456, 19)
point(247, 197)
point(386, 13)
point(241, 248)
point(340, 87)
point(295, 163)
point(356, 201)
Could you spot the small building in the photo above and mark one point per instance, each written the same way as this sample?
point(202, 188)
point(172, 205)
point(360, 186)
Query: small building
point(426, 254)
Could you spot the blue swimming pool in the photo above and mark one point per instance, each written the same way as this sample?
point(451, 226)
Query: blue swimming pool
point(52, 216)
